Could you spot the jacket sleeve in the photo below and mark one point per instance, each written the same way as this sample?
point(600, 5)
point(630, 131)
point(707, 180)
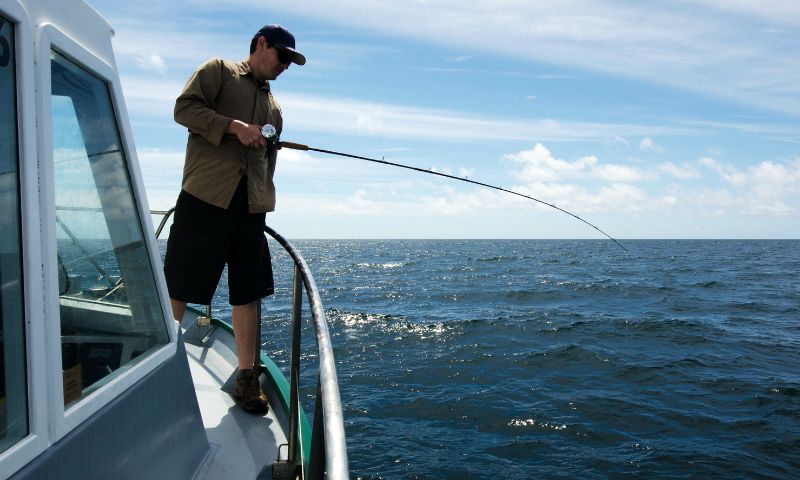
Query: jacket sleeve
point(195, 106)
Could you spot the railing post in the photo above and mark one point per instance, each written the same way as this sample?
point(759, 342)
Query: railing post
point(294, 413)
point(316, 463)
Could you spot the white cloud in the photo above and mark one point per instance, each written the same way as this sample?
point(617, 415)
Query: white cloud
point(174, 38)
point(770, 189)
point(162, 171)
point(151, 63)
point(620, 141)
point(452, 203)
point(765, 188)
point(358, 204)
point(771, 185)
point(539, 165)
point(160, 162)
point(151, 97)
point(352, 117)
point(625, 196)
point(683, 43)
point(460, 58)
point(779, 11)
point(648, 145)
point(155, 98)
point(713, 46)
point(465, 172)
point(582, 199)
point(621, 173)
point(437, 200)
point(683, 172)
point(733, 49)
point(299, 163)
point(729, 173)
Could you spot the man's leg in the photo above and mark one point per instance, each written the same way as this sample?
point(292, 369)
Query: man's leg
point(245, 328)
point(248, 389)
point(178, 309)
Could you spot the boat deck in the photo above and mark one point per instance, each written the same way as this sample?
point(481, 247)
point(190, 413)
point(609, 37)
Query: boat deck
point(240, 447)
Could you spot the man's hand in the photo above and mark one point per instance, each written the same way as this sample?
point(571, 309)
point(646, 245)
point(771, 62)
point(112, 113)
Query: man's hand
point(249, 135)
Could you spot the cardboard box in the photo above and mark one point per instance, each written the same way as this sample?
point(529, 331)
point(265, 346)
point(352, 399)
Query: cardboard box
point(72, 384)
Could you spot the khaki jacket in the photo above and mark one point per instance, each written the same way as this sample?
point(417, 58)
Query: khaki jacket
point(220, 91)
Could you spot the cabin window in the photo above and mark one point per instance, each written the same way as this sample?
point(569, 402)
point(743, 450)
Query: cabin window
point(111, 316)
point(13, 391)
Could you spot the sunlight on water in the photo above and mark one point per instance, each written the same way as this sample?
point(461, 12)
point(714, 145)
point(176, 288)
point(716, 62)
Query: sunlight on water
point(560, 359)
point(381, 265)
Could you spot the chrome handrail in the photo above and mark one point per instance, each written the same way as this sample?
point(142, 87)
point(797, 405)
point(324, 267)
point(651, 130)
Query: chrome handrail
point(328, 456)
point(328, 403)
point(87, 254)
point(166, 214)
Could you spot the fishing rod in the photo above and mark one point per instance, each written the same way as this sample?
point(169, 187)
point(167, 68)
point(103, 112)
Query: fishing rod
point(269, 133)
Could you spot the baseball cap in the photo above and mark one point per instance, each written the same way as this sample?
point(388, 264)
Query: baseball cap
point(277, 35)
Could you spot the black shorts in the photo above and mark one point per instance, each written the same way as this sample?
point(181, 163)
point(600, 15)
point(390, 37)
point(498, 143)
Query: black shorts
point(203, 238)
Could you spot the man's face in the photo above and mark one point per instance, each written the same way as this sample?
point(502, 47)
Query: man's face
point(269, 61)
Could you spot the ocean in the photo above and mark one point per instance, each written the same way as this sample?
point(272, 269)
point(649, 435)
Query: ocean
point(520, 359)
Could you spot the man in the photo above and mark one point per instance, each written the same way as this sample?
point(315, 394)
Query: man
point(226, 191)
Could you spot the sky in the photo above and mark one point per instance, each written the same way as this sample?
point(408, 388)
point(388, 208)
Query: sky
point(649, 119)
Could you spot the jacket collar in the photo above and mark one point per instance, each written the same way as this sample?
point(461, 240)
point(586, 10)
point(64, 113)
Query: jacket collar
point(243, 68)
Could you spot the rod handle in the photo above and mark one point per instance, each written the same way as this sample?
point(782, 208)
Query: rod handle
point(293, 146)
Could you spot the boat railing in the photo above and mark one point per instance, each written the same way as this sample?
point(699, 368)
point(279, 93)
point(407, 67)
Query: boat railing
point(328, 452)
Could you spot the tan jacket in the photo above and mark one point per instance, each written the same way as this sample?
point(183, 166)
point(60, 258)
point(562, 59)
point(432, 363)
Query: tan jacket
point(220, 91)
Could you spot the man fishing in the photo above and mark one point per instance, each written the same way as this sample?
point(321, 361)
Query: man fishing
point(227, 189)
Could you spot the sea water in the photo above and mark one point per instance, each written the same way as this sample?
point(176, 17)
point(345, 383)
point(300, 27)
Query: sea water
point(521, 359)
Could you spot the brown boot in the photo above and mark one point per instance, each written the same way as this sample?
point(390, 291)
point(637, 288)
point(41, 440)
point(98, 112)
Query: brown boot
point(248, 393)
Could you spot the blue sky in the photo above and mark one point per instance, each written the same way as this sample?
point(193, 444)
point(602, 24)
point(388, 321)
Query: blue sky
point(670, 119)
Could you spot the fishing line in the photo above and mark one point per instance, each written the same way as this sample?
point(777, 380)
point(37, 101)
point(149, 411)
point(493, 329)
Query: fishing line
point(269, 132)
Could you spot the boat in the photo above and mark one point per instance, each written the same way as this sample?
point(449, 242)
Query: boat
point(97, 380)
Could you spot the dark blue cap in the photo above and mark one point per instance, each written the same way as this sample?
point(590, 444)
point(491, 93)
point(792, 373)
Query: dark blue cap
point(277, 35)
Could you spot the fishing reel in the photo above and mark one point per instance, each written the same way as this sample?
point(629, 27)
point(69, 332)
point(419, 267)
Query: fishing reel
point(271, 134)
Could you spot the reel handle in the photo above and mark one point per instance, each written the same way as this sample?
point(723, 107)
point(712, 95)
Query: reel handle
point(293, 146)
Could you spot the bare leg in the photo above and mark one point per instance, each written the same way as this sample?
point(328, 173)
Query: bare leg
point(245, 329)
point(178, 309)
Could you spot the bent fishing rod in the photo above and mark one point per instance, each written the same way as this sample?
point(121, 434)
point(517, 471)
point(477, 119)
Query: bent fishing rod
point(270, 134)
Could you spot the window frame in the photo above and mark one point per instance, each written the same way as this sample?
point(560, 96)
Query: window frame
point(61, 420)
point(19, 454)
